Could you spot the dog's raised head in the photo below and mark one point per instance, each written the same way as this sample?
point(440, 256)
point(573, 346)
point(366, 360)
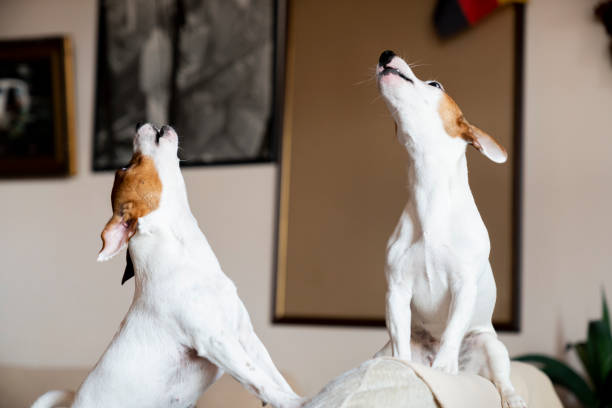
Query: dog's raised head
point(425, 114)
point(147, 185)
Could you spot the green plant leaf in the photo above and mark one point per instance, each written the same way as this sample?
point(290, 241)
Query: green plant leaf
point(607, 366)
point(598, 350)
point(563, 375)
point(581, 350)
point(605, 314)
point(606, 395)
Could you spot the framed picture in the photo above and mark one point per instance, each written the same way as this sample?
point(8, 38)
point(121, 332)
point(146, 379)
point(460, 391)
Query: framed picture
point(343, 172)
point(36, 108)
point(206, 67)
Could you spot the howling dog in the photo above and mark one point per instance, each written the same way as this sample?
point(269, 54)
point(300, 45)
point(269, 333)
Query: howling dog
point(441, 292)
point(186, 325)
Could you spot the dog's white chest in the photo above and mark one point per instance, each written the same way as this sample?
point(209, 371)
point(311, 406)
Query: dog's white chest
point(430, 303)
point(424, 262)
point(424, 272)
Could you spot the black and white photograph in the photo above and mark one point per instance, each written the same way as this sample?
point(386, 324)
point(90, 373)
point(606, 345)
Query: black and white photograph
point(204, 67)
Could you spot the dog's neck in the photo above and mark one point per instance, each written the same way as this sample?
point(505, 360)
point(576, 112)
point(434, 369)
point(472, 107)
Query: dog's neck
point(434, 157)
point(167, 240)
point(437, 177)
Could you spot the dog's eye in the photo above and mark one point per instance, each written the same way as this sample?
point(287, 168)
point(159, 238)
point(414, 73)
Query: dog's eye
point(436, 84)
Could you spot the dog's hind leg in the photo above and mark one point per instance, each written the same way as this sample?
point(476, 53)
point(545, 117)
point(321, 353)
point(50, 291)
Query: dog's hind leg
point(482, 353)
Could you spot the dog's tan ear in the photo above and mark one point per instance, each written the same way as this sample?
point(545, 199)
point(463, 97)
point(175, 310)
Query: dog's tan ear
point(115, 236)
point(486, 144)
point(456, 125)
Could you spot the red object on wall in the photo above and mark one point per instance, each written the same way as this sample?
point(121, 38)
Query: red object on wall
point(474, 10)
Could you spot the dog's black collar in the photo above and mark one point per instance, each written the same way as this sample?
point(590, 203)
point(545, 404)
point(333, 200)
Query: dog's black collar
point(129, 268)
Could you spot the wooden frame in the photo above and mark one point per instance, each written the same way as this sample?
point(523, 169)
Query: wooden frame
point(280, 312)
point(41, 122)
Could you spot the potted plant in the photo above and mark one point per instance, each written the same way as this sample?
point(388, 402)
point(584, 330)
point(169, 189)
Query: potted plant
point(595, 354)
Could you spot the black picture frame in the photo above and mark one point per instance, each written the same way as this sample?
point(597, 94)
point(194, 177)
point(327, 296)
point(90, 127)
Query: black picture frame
point(104, 92)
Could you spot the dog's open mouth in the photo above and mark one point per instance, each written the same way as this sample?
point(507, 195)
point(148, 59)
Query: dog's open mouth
point(387, 70)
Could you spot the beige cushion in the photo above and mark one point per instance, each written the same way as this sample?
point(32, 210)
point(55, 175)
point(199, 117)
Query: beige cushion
point(382, 382)
point(391, 383)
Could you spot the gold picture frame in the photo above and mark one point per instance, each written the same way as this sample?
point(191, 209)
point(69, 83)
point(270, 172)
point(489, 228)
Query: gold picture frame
point(36, 108)
point(342, 183)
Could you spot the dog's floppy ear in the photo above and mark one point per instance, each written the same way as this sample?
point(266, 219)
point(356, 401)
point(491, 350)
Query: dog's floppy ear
point(456, 125)
point(115, 236)
point(486, 144)
point(129, 268)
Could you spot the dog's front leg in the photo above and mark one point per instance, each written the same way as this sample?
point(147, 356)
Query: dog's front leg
point(228, 354)
point(463, 300)
point(399, 319)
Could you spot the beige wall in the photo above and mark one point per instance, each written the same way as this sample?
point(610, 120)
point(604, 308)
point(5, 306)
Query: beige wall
point(59, 308)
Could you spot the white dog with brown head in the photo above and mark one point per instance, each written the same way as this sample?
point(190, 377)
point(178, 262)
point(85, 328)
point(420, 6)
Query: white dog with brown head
point(441, 291)
point(186, 325)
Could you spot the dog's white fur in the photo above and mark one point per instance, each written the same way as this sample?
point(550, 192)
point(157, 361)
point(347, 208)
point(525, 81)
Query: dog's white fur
point(441, 290)
point(186, 325)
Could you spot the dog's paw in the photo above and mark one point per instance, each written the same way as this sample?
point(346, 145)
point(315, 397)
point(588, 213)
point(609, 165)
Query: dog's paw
point(513, 400)
point(447, 364)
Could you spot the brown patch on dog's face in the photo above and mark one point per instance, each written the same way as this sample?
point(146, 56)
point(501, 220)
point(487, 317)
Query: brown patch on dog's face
point(137, 188)
point(136, 193)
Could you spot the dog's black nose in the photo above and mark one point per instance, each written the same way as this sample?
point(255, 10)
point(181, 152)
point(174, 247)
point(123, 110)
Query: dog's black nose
point(385, 57)
point(138, 125)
